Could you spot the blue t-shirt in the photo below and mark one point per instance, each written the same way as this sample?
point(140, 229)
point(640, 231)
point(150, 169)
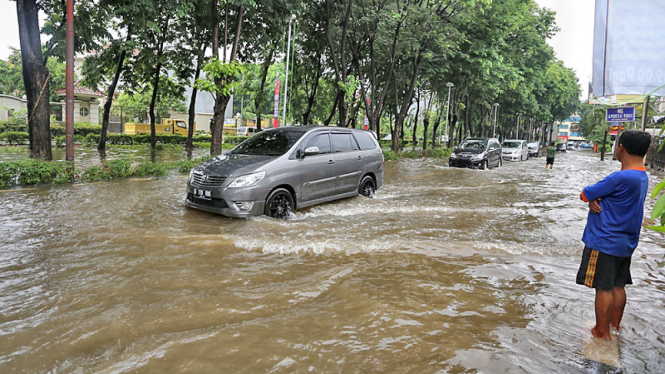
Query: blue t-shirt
point(616, 230)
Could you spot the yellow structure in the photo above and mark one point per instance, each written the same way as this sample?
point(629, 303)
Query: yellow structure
point(167, 127)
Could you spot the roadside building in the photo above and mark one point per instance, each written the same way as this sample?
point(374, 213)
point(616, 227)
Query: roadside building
point(86, 103)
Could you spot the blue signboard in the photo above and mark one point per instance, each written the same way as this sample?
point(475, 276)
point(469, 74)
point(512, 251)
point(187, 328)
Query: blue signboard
point(620, 114)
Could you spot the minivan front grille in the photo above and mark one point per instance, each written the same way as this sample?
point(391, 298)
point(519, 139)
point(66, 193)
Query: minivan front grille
point(207, 181)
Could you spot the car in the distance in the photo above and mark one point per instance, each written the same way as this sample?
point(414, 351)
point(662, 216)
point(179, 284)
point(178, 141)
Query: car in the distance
point(482, 153)
point(560, 147)
point(282, 169)
point(246, 131)
point(534, 149)
point(514, 150)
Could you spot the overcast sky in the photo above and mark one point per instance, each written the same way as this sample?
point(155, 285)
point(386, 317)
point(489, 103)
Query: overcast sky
point(573, 44)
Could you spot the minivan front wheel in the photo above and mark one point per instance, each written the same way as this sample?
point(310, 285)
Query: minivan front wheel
point(279, 204)
point(367, 187)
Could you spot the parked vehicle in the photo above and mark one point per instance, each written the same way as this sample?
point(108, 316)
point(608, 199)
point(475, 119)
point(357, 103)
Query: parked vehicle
point(287, 168)
point(586, 145)
point(571, 145)
point(534, 149)
point(246, 131)
point(560, 147)
point(167, 127)
point(480, 153)
point(514, 150)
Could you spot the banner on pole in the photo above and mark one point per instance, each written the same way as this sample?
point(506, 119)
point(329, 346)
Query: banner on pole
point(275, 121)
point(629, 47)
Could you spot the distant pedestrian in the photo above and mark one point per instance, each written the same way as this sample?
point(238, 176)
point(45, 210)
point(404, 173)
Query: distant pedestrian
point(551, 152)
point(612, 232)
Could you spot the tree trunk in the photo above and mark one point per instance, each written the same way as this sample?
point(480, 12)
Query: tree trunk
point(192, 105)
point(36, 80)
point(258, 99)
point(414, 137)
point(109, 97)
point(221, 101)
point(332, 112)
point(437, 123)
point(153, 101)
point(312, 95)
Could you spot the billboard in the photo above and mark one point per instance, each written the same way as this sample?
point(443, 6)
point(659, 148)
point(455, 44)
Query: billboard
point(629, 48)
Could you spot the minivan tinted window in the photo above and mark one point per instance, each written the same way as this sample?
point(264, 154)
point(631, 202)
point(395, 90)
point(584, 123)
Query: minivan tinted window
point(321, 140)
point(268, 143)
point(343, 143)
point(365, 141)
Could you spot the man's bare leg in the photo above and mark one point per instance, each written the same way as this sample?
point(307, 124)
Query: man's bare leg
point(604, 307)
point(619, 295)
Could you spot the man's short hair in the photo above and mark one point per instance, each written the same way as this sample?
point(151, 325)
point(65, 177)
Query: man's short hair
point(635, 142)
point(552, 144)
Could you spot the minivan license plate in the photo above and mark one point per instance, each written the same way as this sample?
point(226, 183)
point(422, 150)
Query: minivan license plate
point(202, 194)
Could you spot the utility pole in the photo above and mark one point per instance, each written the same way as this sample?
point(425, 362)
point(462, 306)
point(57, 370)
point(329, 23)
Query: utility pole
point(286, 78)
point(69, 85)
point(496, 110)
point(450, 86)
point(517, 126)
point(645, 112)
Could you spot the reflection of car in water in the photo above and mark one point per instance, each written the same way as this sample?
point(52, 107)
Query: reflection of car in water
point(480, 153)
point(282, 169)
point(534, 149)
point(514, 150)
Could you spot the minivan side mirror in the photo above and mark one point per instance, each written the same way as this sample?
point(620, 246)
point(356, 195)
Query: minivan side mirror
point(311, 151)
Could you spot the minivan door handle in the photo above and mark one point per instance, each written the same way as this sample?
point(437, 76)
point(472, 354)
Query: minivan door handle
point(360, 158)
point(331, 162)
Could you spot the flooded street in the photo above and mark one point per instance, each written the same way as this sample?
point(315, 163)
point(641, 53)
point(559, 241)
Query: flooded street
point(444, 271)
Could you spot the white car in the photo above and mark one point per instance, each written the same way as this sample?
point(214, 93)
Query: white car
point(246, 131)
point(514, 150)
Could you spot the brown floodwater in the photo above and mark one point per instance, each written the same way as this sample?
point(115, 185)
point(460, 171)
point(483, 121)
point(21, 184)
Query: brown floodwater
point(444, 271)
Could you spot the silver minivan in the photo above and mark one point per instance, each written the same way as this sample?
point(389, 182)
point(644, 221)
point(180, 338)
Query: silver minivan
point(287, 168)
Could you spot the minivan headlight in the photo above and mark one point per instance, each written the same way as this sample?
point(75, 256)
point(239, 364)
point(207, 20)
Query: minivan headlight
point(248, 180)
point(191, 174)
point(453, 156)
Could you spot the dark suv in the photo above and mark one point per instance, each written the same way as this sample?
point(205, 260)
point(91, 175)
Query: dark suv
point(482, 153)
point(279, 170)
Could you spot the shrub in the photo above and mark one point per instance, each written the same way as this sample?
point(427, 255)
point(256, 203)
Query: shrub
point(119, 139)
point(12, 125)
point(59, 140)
point(441, 153)
point(85, 128)
point(57, 130)
point(15, 137)
point(91, 140)
point(234, 139)
point(390, 156)
point(150, 168)
point(202, 138)
point(118, 168)
point(203, 145)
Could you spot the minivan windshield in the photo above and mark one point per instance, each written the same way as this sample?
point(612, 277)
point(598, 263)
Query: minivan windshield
point(533, 145)
point(511, 144)
point(474, 144)
point(268, 143)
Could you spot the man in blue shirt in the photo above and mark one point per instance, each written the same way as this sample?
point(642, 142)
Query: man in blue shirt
point(616, 209)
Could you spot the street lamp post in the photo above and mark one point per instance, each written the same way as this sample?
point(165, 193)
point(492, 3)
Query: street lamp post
point(450, 86)
point(286, 78)
point(496, 110)
point(517, 126)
